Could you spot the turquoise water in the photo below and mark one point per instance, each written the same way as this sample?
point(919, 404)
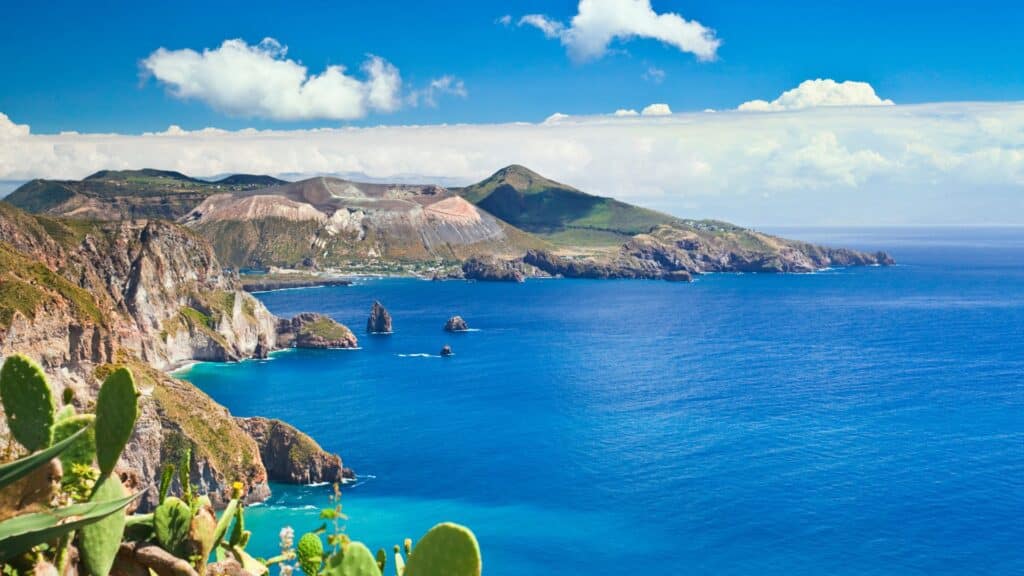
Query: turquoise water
point(857, 421)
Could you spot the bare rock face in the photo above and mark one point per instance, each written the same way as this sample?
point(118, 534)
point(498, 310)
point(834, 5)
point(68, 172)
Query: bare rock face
point(456, 324)
point(291, 456)
point(310, 330)
point(493, 270)
point(379, 321)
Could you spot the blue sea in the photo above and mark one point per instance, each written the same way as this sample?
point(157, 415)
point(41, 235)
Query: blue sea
point(852, 421)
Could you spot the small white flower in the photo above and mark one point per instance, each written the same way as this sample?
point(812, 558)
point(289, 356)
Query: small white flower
point(287, 537)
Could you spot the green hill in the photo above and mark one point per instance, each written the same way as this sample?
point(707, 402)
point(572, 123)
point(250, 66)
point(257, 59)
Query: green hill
point(560, 213)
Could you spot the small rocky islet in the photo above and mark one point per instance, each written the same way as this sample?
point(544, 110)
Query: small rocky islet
point(379, 321)
point(456, 324)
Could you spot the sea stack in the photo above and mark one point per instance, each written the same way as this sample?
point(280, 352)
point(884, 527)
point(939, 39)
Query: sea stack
point(456, 324)
point(446, 350)
point(379, 321)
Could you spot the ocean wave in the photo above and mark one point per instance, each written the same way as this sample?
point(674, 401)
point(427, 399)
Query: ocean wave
point(317, 484)
point(419, 355)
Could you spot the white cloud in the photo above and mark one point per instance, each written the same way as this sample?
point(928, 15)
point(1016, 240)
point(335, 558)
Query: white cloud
point(550, 28)
point(598, 23)
point(820, 92)
point(445, 85)
point(556, 118)
point(505, 20)
point(654, 74)
point(626, 112)
point(656, 110)
point(949, 163)
point(260, 81)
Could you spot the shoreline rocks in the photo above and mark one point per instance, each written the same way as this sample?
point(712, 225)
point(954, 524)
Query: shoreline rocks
point(456, 324)
point(379, 321)
point(493, 270)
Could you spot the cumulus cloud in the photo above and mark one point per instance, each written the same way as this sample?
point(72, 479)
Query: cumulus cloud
point(820, 92)
point(505, 20)
point(626, 112)
point(9, 129)
point(598, 23)
point(950, 163)
point(656, 110)
point(260, 81)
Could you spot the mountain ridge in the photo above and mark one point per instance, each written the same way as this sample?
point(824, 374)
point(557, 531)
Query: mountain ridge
point(333, 223)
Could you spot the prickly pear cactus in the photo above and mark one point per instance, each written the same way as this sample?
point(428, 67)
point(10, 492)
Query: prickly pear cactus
point(354, 560)
point(172, 521)
point(310, 551)
point(28, 402)
point(202, 532)
point(399, 562)
point(82, 450)
point(446, 550)
point(98, 542)
point(382, 559)
point(117, 408)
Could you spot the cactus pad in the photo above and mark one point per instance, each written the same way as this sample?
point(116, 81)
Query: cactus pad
point(83, 449)
point(28, 402)
point(202, 532)
point(355, 560)
point(117, 408)
point(446, 550)
point(98, 542)
point(171, 522)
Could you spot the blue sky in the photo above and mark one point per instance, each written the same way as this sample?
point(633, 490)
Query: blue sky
point(76, 66)
point(793, 113)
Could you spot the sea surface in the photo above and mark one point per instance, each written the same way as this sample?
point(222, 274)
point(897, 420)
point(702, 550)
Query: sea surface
point(852, 421)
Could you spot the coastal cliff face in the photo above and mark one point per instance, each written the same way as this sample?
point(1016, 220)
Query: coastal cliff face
point(80, 297)
point(291, 456)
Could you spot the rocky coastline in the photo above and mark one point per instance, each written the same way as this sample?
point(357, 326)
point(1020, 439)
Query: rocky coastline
point(81, 298)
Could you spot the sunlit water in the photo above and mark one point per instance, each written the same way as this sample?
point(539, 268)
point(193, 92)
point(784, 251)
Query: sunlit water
point(857, 421)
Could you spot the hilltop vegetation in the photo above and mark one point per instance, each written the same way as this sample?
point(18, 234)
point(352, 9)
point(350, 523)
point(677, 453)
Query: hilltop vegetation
point(557, 212)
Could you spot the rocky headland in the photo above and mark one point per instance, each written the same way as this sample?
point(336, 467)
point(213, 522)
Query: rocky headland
point(291, 456)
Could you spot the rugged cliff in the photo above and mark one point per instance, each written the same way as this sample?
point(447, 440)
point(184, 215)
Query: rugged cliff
point(80, 297)
point(291, 456)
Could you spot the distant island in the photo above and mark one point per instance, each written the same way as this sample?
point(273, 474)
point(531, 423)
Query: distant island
point(513, 225)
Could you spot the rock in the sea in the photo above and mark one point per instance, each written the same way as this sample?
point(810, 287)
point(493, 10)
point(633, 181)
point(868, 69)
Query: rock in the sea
point(291, 456)
point(493, 270)
point(446, 350)
point(379, 321)
point(310, 330)
point(456, 324)
point(678, 276)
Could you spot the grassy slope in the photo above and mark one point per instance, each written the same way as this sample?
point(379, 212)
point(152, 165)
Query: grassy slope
point(561, 214)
